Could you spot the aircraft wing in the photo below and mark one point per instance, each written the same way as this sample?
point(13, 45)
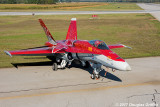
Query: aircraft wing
point(118, 46)
point(45, 51)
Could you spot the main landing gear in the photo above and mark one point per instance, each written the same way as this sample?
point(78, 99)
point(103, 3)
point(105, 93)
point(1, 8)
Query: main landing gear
point(59, 64)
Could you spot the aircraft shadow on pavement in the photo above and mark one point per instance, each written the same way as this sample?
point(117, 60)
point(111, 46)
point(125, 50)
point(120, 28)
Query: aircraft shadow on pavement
point(46, 63)
point(110, 76)
point(76, 65)
point(102, 73)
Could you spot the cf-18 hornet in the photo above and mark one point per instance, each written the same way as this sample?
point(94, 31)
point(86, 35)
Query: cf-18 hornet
point(94, 53)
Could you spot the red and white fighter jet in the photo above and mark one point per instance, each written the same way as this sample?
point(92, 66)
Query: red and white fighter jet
point(94, 52)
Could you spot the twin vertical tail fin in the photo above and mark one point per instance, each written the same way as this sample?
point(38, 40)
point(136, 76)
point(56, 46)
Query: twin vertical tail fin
point(71, 34)
point(48, 34)
point(72, 30)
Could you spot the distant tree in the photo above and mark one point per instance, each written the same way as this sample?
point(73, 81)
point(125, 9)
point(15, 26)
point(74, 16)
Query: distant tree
point(40, 1)
point(46, 1)
point(50, 1)
point(12, 1)
point(21, 1)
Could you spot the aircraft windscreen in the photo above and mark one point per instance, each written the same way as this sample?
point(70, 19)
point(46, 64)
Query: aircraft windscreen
point(99, 44)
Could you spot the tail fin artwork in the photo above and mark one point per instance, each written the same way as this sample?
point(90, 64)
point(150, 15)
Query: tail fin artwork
point(48, 34)
point(72, 30)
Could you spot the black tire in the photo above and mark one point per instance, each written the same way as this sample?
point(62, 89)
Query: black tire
point(97, 76)
point(92, 76)
point(55, 67)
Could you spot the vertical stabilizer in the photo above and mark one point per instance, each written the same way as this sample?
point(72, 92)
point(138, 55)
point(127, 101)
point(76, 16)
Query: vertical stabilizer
point(72, 30)
point(48, 34)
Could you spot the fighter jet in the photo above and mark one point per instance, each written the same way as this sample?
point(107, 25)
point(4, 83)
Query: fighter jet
point(94, 53)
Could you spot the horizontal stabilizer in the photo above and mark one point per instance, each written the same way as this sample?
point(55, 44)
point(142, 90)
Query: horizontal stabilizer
point(8, 53)
point(46, 51)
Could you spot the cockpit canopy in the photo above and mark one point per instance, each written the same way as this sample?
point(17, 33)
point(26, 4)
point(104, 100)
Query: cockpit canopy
point(99, 44)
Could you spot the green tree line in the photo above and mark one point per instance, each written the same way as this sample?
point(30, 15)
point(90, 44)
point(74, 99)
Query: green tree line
point(54, 1)
point(134, 1)
point(28, 1)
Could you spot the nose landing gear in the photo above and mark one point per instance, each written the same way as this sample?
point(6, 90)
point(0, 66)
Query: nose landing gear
point(95, 76)
point(96, 69)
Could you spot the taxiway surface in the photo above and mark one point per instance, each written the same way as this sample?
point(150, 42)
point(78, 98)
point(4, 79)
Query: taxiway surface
point(39, 86)
point(148, 8)
point(153, 9)
point(70, 12)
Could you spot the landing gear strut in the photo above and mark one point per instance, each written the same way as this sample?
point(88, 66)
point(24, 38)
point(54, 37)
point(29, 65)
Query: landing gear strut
point(85, 64)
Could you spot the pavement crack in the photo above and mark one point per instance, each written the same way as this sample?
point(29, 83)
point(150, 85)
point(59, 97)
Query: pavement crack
point(153, 100)
point(62, 86)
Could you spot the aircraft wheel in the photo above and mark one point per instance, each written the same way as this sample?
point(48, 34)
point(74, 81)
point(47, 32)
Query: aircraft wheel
point(92, 76)
point(97, 76)
point(55, 67)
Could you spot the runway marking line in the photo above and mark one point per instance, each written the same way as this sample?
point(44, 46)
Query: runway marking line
point(73, 91)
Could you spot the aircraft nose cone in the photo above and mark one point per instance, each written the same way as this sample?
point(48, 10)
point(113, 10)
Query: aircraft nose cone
point(122, 66)
point(128, 68)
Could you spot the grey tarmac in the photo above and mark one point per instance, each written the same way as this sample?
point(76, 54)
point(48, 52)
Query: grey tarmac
point(151, 8)
point(69, 12)
point(39, 86)
point(76, 12)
